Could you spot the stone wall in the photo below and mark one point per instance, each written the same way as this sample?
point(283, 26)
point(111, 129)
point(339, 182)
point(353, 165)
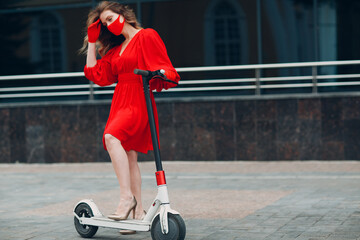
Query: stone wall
point(318, 128)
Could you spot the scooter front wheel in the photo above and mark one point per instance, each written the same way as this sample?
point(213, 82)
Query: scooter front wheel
point(86, 231)
point(177, 228)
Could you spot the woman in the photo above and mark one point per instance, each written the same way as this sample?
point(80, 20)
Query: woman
point(124, 46)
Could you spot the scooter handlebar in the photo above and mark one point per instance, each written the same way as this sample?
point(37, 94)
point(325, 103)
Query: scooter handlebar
point(158, 73)
point(141, 72)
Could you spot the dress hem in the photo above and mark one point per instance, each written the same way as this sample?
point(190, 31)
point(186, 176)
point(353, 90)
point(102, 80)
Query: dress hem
point(126, 148)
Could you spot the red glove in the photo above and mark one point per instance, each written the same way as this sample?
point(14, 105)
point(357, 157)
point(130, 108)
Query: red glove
point(94, 31)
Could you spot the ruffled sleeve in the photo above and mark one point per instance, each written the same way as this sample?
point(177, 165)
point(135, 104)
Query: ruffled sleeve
point(101, 73)
point(155, 57)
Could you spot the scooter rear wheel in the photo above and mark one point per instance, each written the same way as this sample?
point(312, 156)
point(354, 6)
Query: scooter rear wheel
point(177, 228)
point(86, 231)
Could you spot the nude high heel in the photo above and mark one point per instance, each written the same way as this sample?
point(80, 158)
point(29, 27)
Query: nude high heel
point(128, 232)
point(117, 217)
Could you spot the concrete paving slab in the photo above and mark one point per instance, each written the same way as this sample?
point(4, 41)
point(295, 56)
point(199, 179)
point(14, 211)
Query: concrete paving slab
point(218, 200)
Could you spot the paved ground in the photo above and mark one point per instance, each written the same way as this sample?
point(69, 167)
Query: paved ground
point(218, 200)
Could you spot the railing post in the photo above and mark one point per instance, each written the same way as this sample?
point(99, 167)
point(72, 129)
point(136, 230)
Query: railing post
point(257, 79)
point(91, 93)
point(314, 79)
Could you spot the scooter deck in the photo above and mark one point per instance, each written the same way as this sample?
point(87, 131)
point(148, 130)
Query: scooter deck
point(129, 224)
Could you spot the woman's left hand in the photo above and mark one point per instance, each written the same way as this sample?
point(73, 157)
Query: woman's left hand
point(94, 31)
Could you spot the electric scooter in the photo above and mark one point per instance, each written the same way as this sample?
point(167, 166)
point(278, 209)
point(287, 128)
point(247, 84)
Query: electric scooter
point(163, 222)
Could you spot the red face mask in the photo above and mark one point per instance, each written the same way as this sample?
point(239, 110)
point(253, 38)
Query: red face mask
point(116, 27)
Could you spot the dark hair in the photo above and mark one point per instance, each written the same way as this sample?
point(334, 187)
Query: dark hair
point(106, 39)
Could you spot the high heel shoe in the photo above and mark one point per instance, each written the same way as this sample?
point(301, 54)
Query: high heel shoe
point(128, 232)
point(118, 217)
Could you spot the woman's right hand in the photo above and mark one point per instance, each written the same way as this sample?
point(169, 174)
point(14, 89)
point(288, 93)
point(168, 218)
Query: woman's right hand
point(94, 31)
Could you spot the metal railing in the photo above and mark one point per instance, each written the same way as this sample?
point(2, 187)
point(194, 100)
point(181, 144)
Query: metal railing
point(27, 87)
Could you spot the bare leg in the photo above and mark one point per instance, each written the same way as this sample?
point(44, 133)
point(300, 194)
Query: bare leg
point(135, 177)
point(120, 163)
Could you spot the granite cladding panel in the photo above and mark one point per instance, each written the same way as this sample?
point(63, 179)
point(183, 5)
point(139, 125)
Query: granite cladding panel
point(165, 114)
point(351, 118)
point(203, 112)
point(5, 143)
point(102, 114)
point(70, 134)
point(266, 140)
point(224, 112)
point(265, 110)
point(310, 143)
point(284, 129)
point(183, 123)
point(245, 125)
point(352, 139)
point(287, 121)
point(331, 119)
point(288, 151)
point(184, 142)
point(17, 135)
point(246, 140)
point(166, 131)
point(309, 124)
point(245, 111)
point(309, 109)
point(52, 134)
point(184, 112)
point(224, 124)
point(35, 135)
point(167, 142)
point(203, 144)
point(332, 128)
point(333, 150)
point(204, 132)
point(87, 145)
point(351, 108)
point(224, 141)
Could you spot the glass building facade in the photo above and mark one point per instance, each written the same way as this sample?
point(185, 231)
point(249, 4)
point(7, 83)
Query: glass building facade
point(196, 33)
point(286, 30)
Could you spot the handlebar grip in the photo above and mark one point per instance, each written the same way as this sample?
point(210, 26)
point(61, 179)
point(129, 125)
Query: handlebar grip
point(141, 72)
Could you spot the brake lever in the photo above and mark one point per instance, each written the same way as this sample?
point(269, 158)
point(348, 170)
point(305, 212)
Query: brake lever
point(161, 73)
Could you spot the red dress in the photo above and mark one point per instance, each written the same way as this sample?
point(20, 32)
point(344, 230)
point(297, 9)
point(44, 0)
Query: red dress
point(128, 119)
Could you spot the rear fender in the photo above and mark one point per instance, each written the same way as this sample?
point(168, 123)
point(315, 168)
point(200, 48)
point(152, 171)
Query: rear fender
point(95, 210)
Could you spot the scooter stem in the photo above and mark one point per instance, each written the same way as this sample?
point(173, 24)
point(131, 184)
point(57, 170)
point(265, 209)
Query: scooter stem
point(153, 131)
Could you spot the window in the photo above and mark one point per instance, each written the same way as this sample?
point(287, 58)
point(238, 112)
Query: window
point(47, 43)
point(225, 34)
